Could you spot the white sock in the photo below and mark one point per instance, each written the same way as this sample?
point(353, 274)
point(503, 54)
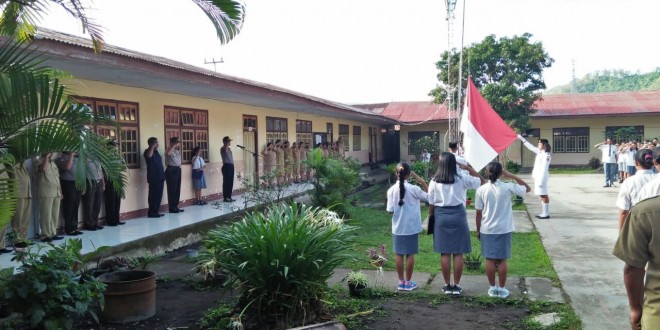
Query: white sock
point(493, 287)
point(546, 206)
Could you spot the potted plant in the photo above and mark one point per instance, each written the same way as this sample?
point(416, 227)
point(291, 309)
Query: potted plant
point(357, 283)
point(378, 257)
point(473, 261)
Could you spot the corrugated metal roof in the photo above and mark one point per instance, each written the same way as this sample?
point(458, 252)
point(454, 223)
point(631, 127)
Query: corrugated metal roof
point(409, 112)
point(554, 105)
point(69, 39)
point(599, 104)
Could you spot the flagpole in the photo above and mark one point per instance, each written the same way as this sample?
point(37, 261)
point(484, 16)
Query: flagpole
point(452, 117)
point(460, 75)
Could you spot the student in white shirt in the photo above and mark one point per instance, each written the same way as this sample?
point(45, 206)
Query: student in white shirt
point(652, 188)
point(540, 173)
point(630, 188)
point(495, 223)
point(403, 203)
point(451, 235)
point(609, 152)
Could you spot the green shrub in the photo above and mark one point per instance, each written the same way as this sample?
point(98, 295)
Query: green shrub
point(512, 166)
point(334, 179)
point(594, 163)
point(281, 259)
point(47, 290)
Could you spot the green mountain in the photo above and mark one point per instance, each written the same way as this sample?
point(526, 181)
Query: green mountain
point(611, 81)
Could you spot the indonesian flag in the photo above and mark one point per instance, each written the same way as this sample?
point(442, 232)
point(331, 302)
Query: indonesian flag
point(485, 134)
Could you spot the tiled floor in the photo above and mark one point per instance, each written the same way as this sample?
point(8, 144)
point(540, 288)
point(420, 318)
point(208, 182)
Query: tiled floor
point(135, 229)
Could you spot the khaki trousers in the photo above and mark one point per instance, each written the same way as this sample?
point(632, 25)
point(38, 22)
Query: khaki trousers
point(21, 219)
point(49, 210)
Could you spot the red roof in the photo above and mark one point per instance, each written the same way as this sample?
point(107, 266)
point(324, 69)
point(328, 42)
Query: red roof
point(599, 104)
point(409, 112)
point(553, 105)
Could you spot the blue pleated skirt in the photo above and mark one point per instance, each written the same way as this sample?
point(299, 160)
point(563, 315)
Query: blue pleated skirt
point(451, 234)
point(405, 244)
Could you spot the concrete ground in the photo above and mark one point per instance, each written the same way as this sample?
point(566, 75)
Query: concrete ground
point(579, 238)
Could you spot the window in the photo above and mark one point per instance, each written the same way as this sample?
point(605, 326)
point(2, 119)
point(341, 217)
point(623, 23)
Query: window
point(127, 134)
point(620, 134)
point(357, 138)
point(276, 129)
point(192, 128)
point(304, 131)
point(343, 134)
point(570, 139)
point(417, 141)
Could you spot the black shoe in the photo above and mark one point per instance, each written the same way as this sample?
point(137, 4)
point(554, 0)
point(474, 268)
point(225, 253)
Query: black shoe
point(174, 211)
point(46, 239)
point(121, 222)
point(99, 227)
point(538, 216)
point(157, 215)
point(73, 233)
point(606, 186)
point(78, 232)
point(56, 238)
point(90, 228)
point(229, 200)
point(5, 250)
point(180, 210)
point(111, 224)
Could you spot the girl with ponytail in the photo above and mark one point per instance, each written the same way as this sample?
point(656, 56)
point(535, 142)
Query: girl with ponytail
point(630, 190)
point(403, 202)
point(495, 223)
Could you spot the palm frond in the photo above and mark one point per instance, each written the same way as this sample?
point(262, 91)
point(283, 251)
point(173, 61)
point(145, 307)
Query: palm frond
point(227, 16)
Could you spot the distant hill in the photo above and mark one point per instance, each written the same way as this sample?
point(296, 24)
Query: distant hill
point(611, 81)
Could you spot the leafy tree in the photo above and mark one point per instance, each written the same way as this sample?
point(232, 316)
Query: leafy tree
point(611, 81)
point(507, 71)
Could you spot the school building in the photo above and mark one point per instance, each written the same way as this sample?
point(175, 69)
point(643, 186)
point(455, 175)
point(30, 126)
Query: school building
point(154, 96)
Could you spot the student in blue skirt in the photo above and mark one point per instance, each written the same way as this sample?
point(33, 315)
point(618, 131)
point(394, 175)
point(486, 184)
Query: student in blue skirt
point(495, 223)
point(451, 235)
point(403, 202)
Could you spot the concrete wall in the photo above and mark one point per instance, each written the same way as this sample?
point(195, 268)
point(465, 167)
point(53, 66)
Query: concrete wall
point(225, 119)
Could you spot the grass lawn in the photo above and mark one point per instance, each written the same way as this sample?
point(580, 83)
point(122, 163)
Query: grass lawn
point(374, 227)
point(575, 170)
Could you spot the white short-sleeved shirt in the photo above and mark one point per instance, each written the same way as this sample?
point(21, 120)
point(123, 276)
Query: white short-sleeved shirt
point(448, 194)
point(199, 163)
point(630, 188)
point(631, 157)
point(495, 202)
point(649, 190)
point(407, 218)
point(609, 153)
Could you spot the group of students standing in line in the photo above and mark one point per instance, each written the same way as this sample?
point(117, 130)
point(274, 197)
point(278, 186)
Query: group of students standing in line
point(284, 163)
point(446, 196)
point(56, 191)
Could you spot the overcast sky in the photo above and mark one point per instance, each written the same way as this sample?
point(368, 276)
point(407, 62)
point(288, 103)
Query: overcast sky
point(367, 51)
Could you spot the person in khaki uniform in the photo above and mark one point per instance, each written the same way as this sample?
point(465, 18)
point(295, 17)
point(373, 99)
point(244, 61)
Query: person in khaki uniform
point(20, 220)
point(639, 247)
point(280, 162)
point(50, 195)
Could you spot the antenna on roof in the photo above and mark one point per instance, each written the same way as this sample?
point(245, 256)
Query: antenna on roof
point(214, 63)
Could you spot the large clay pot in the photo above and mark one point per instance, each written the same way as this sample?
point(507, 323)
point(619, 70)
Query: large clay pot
point(130, 296)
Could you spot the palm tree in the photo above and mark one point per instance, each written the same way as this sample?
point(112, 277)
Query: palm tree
point(19, 18)
point(37, 114)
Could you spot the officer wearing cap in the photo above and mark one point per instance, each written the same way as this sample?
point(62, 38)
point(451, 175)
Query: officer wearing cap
point(227, 170)
point(155, 177)
point(173, 174)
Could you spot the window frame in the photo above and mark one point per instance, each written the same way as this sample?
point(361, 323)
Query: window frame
point(124, 126)
point(344, 130)
point(435, 135)
point(274, 129)
point(190, 126)
point(357, 138)
point(638, 135)
point(567, 140)
point(304, 131)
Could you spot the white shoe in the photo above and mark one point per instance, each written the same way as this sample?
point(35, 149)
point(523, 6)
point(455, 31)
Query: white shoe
point(493, 292)
point(503, 293)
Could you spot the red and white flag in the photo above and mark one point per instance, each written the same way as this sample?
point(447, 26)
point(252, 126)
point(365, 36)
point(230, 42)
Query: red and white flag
point(485, 134)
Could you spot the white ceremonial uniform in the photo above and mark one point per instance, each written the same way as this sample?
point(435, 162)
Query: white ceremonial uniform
point(540, 172)
point(631, 187)
point(649, 190)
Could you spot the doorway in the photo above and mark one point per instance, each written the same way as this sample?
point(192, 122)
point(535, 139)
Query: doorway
point(250, 148)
